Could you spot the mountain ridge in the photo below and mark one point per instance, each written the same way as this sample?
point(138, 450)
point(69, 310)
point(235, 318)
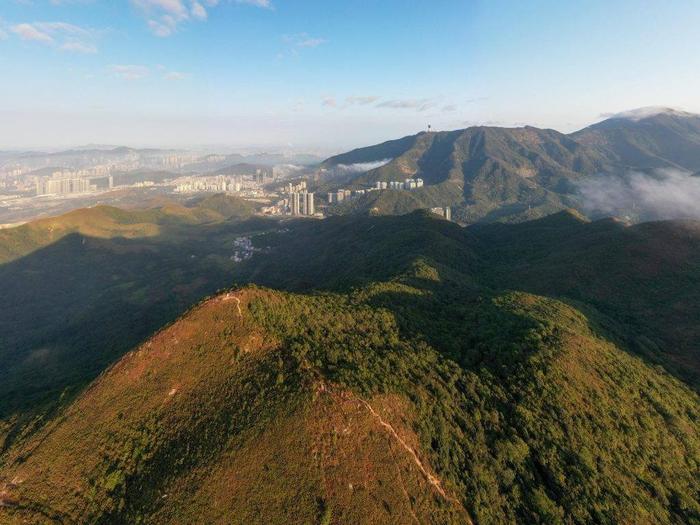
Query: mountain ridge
point(191, 376)
point(513, 174)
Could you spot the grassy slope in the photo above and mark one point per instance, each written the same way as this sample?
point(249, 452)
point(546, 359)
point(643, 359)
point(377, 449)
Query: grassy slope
point(269, 416)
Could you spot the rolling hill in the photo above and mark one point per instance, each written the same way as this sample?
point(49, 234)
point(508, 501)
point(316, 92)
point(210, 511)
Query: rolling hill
point(513, 174)
point(403, 369)
point(418, 397)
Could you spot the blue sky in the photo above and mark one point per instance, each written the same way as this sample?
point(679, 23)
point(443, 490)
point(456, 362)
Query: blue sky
point(328, 75)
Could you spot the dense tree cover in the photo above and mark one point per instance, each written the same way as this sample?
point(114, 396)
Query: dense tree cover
point(523, 412)
point(529, 414)
point(526, 408)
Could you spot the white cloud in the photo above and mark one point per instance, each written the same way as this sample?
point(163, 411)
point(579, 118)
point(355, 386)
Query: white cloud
point(361, 100)
point(31, 33)
point(419, 104)
point(130, 71)
point(663, 194)
point(166, 26)
point(638, 114)
point(198, 11)
point(67, 2)
point(64, 36)
point(257, 3)
point(362, 167)
point(175, 8)
point(353, 100)
point(138, 72)
point(79, 47)
point(301, 40)
point(165, 16)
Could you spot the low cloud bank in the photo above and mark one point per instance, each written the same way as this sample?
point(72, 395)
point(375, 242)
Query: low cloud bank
point(663, 194)
point(362, 167)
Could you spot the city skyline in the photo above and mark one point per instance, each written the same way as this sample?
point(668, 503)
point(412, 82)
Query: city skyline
point(329, 76)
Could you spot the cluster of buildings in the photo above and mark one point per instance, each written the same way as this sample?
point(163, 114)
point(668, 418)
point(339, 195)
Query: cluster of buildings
point(84, 173)
point(343, 194)
point(177, 161)
point(67, 183)
point(216, 184)
point(301, 201)
point(408, 184)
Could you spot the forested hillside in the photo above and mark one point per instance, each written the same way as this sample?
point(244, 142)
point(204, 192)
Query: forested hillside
point(402, 377)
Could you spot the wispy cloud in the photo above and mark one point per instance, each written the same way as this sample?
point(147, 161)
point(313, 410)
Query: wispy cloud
point(69, 2)
point(64, 36)
point(418, 104)
point(362, 167)
point(257, 3)
point(138, 72)
point(79, 47)
point(130, 71)
point(297, 42)
point(364, 100)
point(31, 33)
point(301, 40)
point(165, 16)
point(353, 100)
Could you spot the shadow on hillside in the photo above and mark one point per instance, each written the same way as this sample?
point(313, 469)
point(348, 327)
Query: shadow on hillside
point(460, 321)
point(492, 330)
point(72, 308)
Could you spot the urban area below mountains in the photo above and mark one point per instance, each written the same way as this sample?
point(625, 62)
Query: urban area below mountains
point(266, 262)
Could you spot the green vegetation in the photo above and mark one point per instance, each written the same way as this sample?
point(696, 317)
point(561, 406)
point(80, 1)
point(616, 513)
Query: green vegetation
point(485, 174)
point(523, 415)
point(411, 370)
point(491, 174)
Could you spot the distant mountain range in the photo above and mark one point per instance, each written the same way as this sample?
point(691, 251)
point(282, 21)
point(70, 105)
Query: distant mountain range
point(513, 174)
point(181, 160)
